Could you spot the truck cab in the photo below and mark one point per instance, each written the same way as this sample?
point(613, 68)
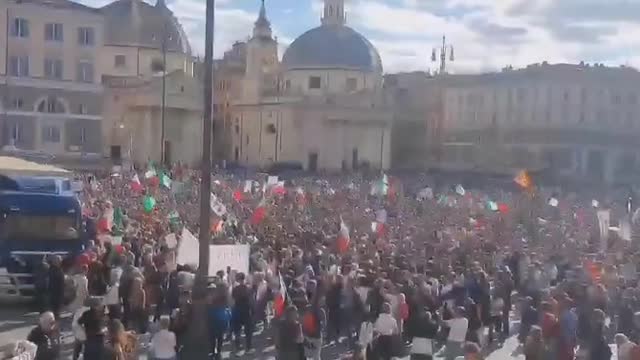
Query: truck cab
point(39, 216)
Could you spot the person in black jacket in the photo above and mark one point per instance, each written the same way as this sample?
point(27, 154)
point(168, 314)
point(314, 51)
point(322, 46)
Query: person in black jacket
point(47, 337)
point(423, 328)
point(56, 285)
point(41, 283)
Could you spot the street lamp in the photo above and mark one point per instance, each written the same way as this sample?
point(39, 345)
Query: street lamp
point(443, 55)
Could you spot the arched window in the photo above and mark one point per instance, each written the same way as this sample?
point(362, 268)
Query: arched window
point(51, 105)
point(330, 10)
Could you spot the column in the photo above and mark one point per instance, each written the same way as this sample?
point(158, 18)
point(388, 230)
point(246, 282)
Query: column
point(610, 164)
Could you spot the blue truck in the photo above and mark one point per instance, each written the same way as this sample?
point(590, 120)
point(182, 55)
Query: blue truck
point(39, 216)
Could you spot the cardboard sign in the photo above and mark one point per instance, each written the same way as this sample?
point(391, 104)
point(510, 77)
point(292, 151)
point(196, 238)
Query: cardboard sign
point(234, 256)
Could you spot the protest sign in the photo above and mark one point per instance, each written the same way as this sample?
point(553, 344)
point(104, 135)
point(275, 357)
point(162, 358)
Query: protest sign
point(171, 241)
point(234, 256)
point(188, 249)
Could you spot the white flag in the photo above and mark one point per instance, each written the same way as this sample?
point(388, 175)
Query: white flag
point(603, 223)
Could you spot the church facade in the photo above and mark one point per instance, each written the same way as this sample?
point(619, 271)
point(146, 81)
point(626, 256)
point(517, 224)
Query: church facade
point(322, 106)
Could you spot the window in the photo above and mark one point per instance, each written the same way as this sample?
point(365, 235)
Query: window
point(83, 135)
point(53, 32)
point(85, 72)
point(352, 84)
point(51, 134)
point(53, 69)
point(86, 36)
point(315, 82)
point(16, 132)
point(82, 109)
point(20, 28)
point(287, 84)
point(40, 227)
point(51, 106)
point(566, 96)
point(237, 129)
point(19, 66)
point(17, 103)
point(616, 99)
point(120, 61)
point(247, 139)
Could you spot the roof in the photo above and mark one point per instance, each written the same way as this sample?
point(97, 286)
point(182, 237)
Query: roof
point(16, 166)
point(136, 23)
point(332, 47)
point(563, 73)
point(60, 4)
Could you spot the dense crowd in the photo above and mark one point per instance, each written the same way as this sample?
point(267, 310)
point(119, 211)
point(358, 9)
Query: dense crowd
point(384, 266)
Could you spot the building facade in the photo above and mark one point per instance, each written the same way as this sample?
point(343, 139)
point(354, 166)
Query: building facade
point(578, 121)
point(153, 100)
point(322, 106)
point(50, 80)
point(229, 74)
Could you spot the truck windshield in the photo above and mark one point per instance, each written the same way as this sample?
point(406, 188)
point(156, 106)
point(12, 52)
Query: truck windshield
point(32, 227)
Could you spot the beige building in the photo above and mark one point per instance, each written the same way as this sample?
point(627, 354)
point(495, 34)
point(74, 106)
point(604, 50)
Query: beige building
point(322, 107)
point(49, 77)
point(229, 74)
point(417, 119)
point(579, 121)
point(148, 67)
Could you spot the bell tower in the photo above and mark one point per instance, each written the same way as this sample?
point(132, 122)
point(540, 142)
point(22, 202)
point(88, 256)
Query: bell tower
point(262, 60)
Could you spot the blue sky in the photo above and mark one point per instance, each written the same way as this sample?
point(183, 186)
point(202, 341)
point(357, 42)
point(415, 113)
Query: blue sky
point(486, 34)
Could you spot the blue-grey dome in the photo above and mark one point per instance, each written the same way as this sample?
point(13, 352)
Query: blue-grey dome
point(332, 47)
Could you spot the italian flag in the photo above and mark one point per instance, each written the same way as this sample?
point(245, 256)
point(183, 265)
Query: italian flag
point(343, 238)
point(259, 213)
point(136, 185)
point(280, 299)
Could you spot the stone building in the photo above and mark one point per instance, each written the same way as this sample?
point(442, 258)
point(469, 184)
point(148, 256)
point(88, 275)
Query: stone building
point(229, 75)
point(322, 106)
point(50, 89)
point(148, 71)
point(579, 121)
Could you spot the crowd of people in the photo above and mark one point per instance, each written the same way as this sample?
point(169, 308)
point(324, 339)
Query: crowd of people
point(382, 266)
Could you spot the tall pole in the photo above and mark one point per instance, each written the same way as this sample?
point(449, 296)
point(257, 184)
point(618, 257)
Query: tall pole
point(197, 346)
point(382, 147)
point(164, 93)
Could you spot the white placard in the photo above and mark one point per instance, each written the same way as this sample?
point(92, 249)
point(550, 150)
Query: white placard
point(171, 241)
point(603, 222)
point(77, 186)
point(272, 181)
point(234, 256)
point(248, 185)
point(188, 249)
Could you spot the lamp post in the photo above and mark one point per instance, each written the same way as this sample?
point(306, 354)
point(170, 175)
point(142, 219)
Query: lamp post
point(444, 50)
point(197, 346)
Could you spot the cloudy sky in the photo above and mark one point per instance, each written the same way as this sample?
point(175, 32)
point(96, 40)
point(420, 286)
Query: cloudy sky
point(486, 34)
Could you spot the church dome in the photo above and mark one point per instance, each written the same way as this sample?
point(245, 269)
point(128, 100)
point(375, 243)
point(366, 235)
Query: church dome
point(338, 47)
point(137, 23)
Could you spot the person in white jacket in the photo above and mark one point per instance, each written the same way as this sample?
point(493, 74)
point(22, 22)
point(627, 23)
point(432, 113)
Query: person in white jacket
point(78, 332)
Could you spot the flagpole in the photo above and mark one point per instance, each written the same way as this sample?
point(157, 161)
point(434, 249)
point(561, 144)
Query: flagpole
point(197, 347)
